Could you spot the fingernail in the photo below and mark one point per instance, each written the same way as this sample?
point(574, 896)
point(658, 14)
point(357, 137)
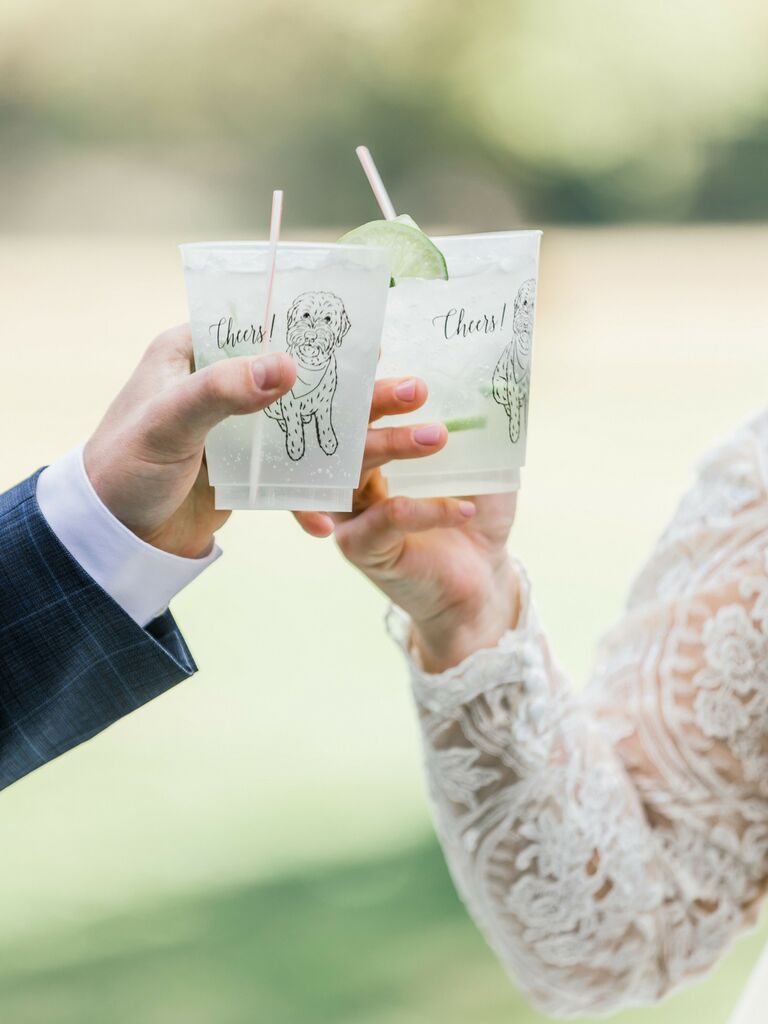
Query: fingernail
point(428, 435)
point(467, 508)
point(267, 371)
point(406, 391)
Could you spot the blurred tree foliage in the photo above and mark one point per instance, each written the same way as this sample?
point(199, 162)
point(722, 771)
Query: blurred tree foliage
point(479, 111)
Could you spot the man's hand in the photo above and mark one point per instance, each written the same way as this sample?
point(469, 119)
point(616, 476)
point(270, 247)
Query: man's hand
point(443, 560)
point(145, 459)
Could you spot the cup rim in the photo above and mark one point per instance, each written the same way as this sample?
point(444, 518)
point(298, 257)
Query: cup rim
point(263, 246)
point(474, 236)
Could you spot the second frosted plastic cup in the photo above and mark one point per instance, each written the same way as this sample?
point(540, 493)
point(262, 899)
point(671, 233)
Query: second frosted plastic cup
point(470, 338)
point(327, 314)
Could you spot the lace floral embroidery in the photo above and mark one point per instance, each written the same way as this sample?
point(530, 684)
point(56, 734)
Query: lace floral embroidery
point(612, 845)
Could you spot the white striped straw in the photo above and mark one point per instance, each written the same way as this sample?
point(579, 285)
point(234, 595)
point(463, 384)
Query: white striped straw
point(258, 419)
point(374, 180)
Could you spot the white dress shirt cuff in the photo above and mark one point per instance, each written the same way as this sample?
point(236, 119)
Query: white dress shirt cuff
point(140, 578)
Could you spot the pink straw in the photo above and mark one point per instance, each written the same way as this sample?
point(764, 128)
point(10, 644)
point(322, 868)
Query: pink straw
point(274, 238)
point(377, 185)
point(258, 419)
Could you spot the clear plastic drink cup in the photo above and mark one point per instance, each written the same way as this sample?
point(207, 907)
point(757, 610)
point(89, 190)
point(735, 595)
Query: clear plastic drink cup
point(470, 339)
point(327, 313)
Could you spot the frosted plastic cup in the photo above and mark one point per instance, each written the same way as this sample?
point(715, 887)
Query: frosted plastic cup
point(470, 339)
point(327, 314)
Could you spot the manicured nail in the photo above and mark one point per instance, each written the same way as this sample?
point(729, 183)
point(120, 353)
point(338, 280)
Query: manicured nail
point(428, 436)
point(467, 509)
point(406, 390)
point(267, 371)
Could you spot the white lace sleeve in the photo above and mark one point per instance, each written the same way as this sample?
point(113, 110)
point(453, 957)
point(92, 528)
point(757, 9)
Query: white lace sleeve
point(611, 845)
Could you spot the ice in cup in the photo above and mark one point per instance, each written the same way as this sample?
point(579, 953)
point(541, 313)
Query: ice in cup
point(470, 338)
point(327, 313)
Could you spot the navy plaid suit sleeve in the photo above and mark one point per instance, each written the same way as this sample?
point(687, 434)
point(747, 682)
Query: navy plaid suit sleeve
point(71, 660)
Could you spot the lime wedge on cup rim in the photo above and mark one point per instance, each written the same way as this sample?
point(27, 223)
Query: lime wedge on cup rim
point(413, 253)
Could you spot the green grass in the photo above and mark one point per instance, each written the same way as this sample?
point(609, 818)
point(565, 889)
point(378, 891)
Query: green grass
point(374, 941)
point(384, 941)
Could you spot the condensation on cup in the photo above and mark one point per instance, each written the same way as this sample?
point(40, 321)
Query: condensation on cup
point(470, 338)
point(327, 313)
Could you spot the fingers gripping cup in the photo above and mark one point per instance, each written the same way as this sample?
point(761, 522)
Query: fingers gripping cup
point(469, 337)
point(327, 313)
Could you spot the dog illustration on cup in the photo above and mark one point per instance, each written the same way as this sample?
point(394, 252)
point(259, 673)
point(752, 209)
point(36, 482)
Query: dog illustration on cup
point(511, 378)
point(317, 324)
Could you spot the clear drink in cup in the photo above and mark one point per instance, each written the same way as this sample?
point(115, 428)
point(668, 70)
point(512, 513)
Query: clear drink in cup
point(469, 337)
point(327, 312)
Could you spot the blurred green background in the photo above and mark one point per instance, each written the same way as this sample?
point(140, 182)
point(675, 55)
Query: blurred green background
point(166, 113)
point(255, 845)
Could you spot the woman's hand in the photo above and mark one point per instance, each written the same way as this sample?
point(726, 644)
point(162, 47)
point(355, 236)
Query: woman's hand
point(443, 560)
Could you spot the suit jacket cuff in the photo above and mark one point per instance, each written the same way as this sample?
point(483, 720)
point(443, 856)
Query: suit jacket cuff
point(141, 578)
point(72, 661)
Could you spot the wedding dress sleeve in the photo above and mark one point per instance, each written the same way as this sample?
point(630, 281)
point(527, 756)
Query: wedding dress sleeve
point(611, 844)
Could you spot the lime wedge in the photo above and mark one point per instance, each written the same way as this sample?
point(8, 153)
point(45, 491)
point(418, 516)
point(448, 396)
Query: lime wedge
point(414, 254)
point(466, 423)
point(405, 218)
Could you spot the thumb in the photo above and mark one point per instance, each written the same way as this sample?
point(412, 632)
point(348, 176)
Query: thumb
point(230, 387)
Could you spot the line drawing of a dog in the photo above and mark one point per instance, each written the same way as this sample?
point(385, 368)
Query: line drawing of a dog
point(317, 324)
point(511, 378)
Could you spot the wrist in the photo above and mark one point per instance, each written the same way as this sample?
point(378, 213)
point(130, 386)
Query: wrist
point(447, 639)
point(184, 543)
point(138, 577)
point(149, 501)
